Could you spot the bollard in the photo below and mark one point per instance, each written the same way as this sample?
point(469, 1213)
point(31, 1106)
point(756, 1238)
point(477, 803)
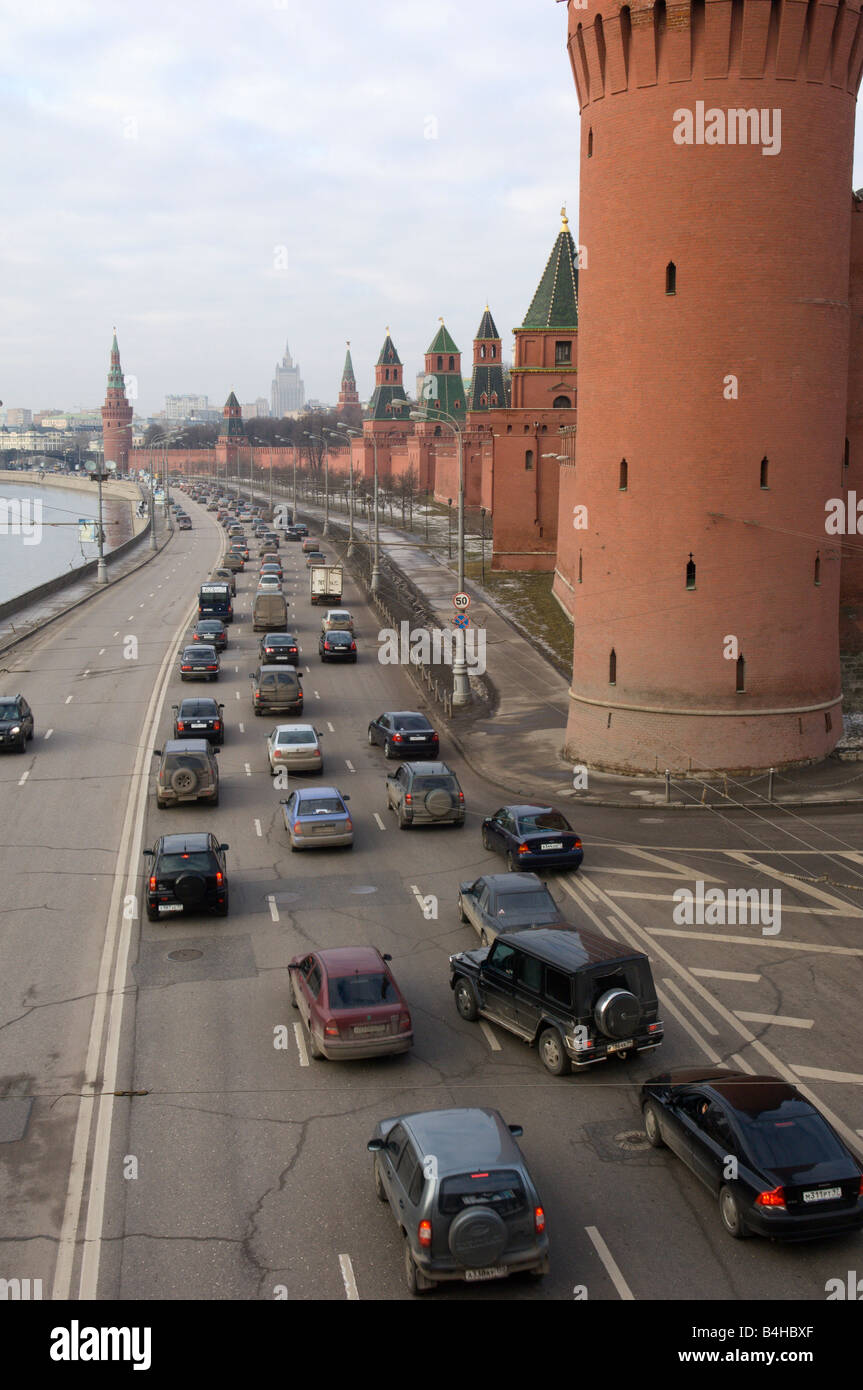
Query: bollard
point(770, 772)
point(667, 786)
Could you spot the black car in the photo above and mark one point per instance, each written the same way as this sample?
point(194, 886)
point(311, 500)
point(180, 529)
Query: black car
point(774, 1164)
point(212, 632)
point(404, 733)
point(16, 722)
point(580, 997)
point(337, 646)
point(188, 874)
point(293, 533)
point(199, 662)
point(199, 718)
point(532, 837)
point(279, 648)
point(507, 902)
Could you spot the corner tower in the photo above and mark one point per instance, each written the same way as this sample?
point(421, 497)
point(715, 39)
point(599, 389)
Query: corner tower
point(716, 157)
point(488, 385)
point(116, 415)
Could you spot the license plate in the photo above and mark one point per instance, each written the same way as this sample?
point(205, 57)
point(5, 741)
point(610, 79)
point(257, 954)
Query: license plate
point(825, 1194)
point(556, 845)
point(474, 1275)
point(322, 829)
point(170, 907)
point(417, 738)
point(197, 726)
point(369, 1028)
point(620, 1046)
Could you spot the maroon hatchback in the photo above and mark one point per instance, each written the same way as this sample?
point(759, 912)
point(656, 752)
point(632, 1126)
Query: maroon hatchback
point(350, 1003)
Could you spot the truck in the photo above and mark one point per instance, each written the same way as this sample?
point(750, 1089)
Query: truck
point(325, 584)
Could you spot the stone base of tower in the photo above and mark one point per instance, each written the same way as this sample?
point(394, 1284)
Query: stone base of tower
point(647, 742)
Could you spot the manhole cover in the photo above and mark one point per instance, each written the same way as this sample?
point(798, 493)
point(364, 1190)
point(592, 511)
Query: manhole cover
point(363, 888)
point(632, 1139)
point(185, 955)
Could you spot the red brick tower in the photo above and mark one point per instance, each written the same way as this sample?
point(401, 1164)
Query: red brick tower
point(349, 399)
point(232, 435)
point(716, 155)
point(116, 415)
point(488, 387)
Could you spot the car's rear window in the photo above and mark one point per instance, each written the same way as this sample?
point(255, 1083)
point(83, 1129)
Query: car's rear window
point(295, 736)
point(361, 991)
point(412, 722)
point(429, 784)
point(321, 806)
point(546, 820)
point(201, 708)
point(339, 639)
point(197, 861)
point(790, 1141)
point(195, 761)
point(502, 1190)
point(525, 902)
point(285, 679)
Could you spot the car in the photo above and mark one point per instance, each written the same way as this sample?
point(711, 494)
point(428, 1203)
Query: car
point(16, 722)
point(309, 543)
point(350, 1004)
point(270, 568)
point(199, 718)
point(580, 997)
point(532, 837)
point(507, 902)
point(227, 577)
point(265, 547)
point(293, 533)
point(212, 506)
point(199, 662)
point(301, 528)
point(279, 648)
point(273, 538)
point(212, 631)
point(315, 557)
point(241, 547)
point(276, 689)
point(403, 731)
point(269, 557)
point(339, 619)
point(337, 646)
point(269, 583)
point(234, 561)
point(296, 747)
point(318, 817)
point(188, 771)
point(188, 873)
point(425, 794)
point(184, 523)
point(771, 1160)
point(461, 1193)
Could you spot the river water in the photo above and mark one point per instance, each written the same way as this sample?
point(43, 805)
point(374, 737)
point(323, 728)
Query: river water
point(39, 532)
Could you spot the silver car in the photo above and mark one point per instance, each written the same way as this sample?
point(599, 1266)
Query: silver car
point(338, 620)
point(296, 747)
point(317, 817)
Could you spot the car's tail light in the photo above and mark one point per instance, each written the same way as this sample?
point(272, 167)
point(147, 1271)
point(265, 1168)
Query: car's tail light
point(404, 1023)
point(524, 849)
point(654, 1027)
point(297, 827)
point(397, 738)
point(353, 646)
point(424, 1234)
point(180, 726)
point(576, 843)
point(217, 724)
point(257, 694)
point(152, 884)
point(317, 753)
point(776, 1198)
point(331, 1029)
point(349, 825)
point(185, 668)
point(461, 796)
point(538, 1220)
point(860, 1189)
point(408, 797)
point(212, 668)
point(434, 738)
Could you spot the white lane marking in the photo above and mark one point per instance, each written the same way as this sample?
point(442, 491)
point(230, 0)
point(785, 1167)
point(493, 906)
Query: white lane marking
point(589, 892)
point(308, 670)
point(842, 908)
point(783, 944)
point(237, 693)
point(489, 1036)
point(23, 778)
point(742, 1063)
point(781, 1020)
point(87, 672)
point(242, 728)
point(611, 1267)
point(248, 768)
point(696, 1013)
point(378, 821)
point(330, 727)
point(301, 1045)
point(274, 911)
point(131, 617)
point(101, 651)
point(418, 895)
point(819, 1074)
point(49, 733)
point(151, 596)
point(349, 765)
point(725, 975)
point(317, 696)
point(682, 870)
point(237, 670)
point(117, 634)
point(848, 909)
point(258, 830)
point(669, 1008)
point(638, 873)
point(348, 1277)
point(68, 699)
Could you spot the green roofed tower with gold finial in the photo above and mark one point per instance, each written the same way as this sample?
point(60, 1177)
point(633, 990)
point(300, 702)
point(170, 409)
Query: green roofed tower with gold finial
point(443, 388)
point(543, 373)
point(388, 401)
point(488, 384)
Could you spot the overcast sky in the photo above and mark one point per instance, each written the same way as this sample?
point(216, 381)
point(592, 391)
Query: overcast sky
point(216, 178)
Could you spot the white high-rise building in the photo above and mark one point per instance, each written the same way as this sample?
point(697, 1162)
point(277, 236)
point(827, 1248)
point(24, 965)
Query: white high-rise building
point(287, 393)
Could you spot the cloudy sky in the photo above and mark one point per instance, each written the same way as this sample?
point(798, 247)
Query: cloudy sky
point(217, 178)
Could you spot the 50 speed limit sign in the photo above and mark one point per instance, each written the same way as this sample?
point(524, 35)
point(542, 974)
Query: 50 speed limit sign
point(461, 601)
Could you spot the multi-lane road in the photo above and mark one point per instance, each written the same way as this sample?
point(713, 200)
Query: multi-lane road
point(237, 1168)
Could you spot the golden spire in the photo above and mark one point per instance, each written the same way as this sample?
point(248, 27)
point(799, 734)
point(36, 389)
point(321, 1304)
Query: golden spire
point(565, 227)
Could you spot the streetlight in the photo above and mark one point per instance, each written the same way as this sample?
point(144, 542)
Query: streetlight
point(104, 471)
point(461, 692)
point(350, 432)
point(482, 543)
point(449, 529)
point(319, 439)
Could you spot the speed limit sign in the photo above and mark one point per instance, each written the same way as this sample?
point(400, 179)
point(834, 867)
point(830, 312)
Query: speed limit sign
point(461, 601)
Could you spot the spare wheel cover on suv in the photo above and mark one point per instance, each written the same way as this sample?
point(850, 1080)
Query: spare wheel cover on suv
point(190, 889)
point(184, 780)
point(477, 1238)
point(617, 1013)
point(438, 802)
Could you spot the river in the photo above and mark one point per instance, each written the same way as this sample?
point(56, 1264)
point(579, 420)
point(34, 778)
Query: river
point(39, 532)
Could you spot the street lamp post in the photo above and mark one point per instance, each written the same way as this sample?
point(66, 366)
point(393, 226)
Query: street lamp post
point(102, 472)
point(350, 433)
point(482, 543)
point(449, 528)
point(461, 693)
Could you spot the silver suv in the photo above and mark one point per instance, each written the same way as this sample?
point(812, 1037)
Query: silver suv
point(459, 1188)
point(188, 771)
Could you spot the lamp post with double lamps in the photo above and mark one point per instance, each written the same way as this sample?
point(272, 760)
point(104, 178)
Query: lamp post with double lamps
point(105, 469)
point(319, 439)
point(350, 433)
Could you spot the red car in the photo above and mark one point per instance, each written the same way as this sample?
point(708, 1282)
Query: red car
point(350, 1003)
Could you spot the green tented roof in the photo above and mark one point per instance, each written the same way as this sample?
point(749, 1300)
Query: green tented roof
point(555, 304)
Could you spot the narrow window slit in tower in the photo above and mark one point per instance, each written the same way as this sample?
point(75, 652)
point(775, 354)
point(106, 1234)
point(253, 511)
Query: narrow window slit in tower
point(818, 567)
point(612, 668)
point(671, 278)
point(741, 675)
point(765, 466)
point(624, 475)
point(690, 572)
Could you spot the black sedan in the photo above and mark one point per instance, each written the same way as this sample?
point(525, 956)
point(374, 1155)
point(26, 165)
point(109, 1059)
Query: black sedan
point(532, 837)
point(199, 718)
point(279, 649)
point(187, 874)
point(199, 662)
point(507, 902)
point(774, 1164)
point(404, 733)
point(337, 646)
point(212, 632)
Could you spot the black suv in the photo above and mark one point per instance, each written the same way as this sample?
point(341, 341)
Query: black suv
point(425, 794)
point(581, 997)
point(16, 722)
point(199, 718)
point(404, 732)
point(188, 874)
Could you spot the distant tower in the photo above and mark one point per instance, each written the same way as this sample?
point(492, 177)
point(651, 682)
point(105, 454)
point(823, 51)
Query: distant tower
point(287, 393)
point(232, 434)
point(388, 401)
point(716, 158)
point(349, 400)
point(116, 415)
point(488, 386)
point(443, 387)
point(543, 372)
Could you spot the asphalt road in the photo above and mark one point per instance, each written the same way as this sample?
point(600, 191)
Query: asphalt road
point(242, 1172)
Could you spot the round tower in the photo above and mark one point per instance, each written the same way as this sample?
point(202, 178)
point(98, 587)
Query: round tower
point(716, 155)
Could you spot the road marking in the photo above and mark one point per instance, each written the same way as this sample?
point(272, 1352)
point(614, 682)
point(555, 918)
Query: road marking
point(705, 1022)
point(248, 768)
point(23, 778)
point(725, 975)
point(101, 651)
point(68, 699)
point(237, 670)
point(274, 911)
point(48, 734)
point(742, 1063)
point(611, 1267)
point(489, 1036)
point(258, 830)
point(682, 870)
point(589, 891)
point(237, 693)
point(638, 873)
point(348, 1276)
point(668, 1007)
point(242, 728)
point(87, 672)
point(117, 634)
point(783, 944)
point(130, 618)
point(848, 909)
point(781, 1020)
point(349, 765)
point(818, 1074)
point(301, 1045)
point(380, 823)
point(843, 908)
point(330, 727)
point(151, 596)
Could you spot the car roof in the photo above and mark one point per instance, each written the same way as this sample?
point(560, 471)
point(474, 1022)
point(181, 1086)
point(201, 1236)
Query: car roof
point(200, 700)
point(310, 792)
point(199, 647)
point(345, 960)
point(750, 1095)
point(513, 883)
point(186, 844)
point(438, 770)
point(529, 810)
point(399, 713)
point(570, 948)
point(278, 637)
point(186, 745)
point(464, 1139)
point(291, 728)
point(285, 670)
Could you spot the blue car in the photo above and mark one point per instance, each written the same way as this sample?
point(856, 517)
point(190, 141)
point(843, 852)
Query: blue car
point(316, 817)
point(532, 837)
